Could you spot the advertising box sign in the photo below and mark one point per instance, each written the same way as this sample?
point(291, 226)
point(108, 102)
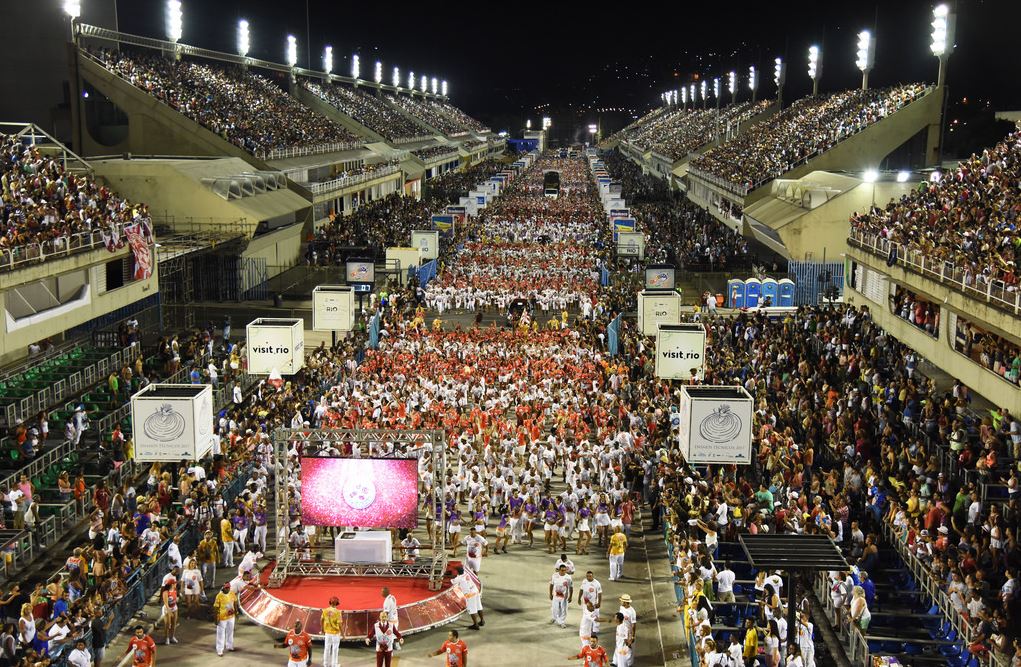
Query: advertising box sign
point(172, 422)
point(680, 351)
point(333, 308)
point(716, 425)
point(275, 344)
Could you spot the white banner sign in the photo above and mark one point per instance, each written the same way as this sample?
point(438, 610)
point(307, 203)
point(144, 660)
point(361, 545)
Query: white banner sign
point(716, 425)
point(680, 351)
point(333, 308)
point(427, 241)
point(172, 422)
point(657, 307)
point(275, 344)
point(631, 244)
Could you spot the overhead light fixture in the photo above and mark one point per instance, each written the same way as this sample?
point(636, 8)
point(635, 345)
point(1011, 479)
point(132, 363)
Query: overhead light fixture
point(866, 54)
point(443, 87)
point(870, 176)
point(175, 20)
point(243, 42)
point(292, 50)
point(73, 8)
point(903, 176)
point(396, 80)
point(328, 59)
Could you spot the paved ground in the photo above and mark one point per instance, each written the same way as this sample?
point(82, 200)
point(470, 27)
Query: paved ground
point(517, 630)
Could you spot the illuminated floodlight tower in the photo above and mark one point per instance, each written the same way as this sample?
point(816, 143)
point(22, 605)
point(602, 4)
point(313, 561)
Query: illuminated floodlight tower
point(73, 9)
point(434, 86)
point(779, 78)
point(423, 85)
point(732, 85)
point(292, 51)
point(702, 89)
point(328, 60)
point(411, 82)
point(692, 94)
point(356, 67)
point(244, 42)
point(377, 73)
point(684, 97)
point(716, 91)
point(443, 88)
point(174, 24)
point(943, 25)
point(396, 79)
point(814, 67)
point(547, 122)
point(753, 81)
point(866, 56)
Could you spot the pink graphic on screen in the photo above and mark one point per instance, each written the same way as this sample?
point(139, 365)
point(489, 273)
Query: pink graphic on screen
point(370, 493)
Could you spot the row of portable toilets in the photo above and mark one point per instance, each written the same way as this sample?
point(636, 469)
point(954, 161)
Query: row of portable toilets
point(752, 293)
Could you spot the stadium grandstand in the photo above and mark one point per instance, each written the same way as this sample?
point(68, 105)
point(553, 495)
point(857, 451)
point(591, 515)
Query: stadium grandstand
point(316, 368)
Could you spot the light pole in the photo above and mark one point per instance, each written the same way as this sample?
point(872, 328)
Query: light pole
point(753, 81)
point(732, 85)
point(702, 89)
point(716, 92)
point(174, 24)
point(779, 78)
point(866, 56)
point(943, 25)
point(814, 67)
point(356, 67)
point(244, 42)
point(396, 79)
point(684, 97)
point(73, 9)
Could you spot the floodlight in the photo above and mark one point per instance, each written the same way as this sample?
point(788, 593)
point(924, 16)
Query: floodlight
point(716, 88)
point(903, 176)
point(174, 20)
point(942, 31)
point(684, 95)
point(814, 62)
point(411, 81)
point(443, 87)
point(528, 124)
point(328, 59)
point(732, 82)
point(870, 176)
point(753, 79)
point(377, 74)
point(396, 80)
point(866, 51)
point(702, 88)
point(779, 72)
point(691, 92)
point(292, 50)
point(243, 42)
point(356, 67)
point(435, 85)
point(73, 8)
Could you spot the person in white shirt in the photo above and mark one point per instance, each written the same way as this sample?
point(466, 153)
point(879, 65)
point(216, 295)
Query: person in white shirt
point(589, 625)
point(590, 590)
point(623, 656)
point(630, 615)
point(247, 565)
point(564, 560)
point(560, 591)
point(80, 656)
point(725, 583)
point(411, 546)
point(475, 547)
point(472, 597)
point(806, 643)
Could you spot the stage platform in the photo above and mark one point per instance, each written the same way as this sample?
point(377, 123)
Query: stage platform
point(304, 597)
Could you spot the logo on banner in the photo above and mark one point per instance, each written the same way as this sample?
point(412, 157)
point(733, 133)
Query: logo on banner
point(660, 279)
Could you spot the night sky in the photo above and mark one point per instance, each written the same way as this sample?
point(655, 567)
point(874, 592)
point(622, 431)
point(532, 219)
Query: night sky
point(506, 62)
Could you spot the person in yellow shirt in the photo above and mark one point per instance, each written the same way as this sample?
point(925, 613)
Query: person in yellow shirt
point(615, 552)
point(331, 633)
point(751, 641)
point(227, 537)
point(225, 608)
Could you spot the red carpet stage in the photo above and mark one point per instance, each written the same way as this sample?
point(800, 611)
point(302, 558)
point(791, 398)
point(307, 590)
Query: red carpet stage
point(303, 597)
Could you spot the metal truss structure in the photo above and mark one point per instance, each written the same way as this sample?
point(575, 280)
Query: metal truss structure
point(313, 442)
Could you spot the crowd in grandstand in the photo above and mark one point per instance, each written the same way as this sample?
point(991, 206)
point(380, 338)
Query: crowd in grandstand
point(368, 109)
point(677, 132)
point(246, 109)
point(442, 116)
point(431, 152)
point(808, 127)
point(991, 351)
point(45, 203)
point(968, 218)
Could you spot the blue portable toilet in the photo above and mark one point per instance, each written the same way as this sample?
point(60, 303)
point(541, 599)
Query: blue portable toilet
point(771, 291)
point(786, 287)
point(753, 292)
point(735, 293)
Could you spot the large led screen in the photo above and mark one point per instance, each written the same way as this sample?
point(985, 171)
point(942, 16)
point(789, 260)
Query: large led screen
point(369, 493)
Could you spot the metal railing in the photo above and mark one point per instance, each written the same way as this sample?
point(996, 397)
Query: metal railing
point(355, 179)
point(994, 292)
point(302, 151)
point(61, 246)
